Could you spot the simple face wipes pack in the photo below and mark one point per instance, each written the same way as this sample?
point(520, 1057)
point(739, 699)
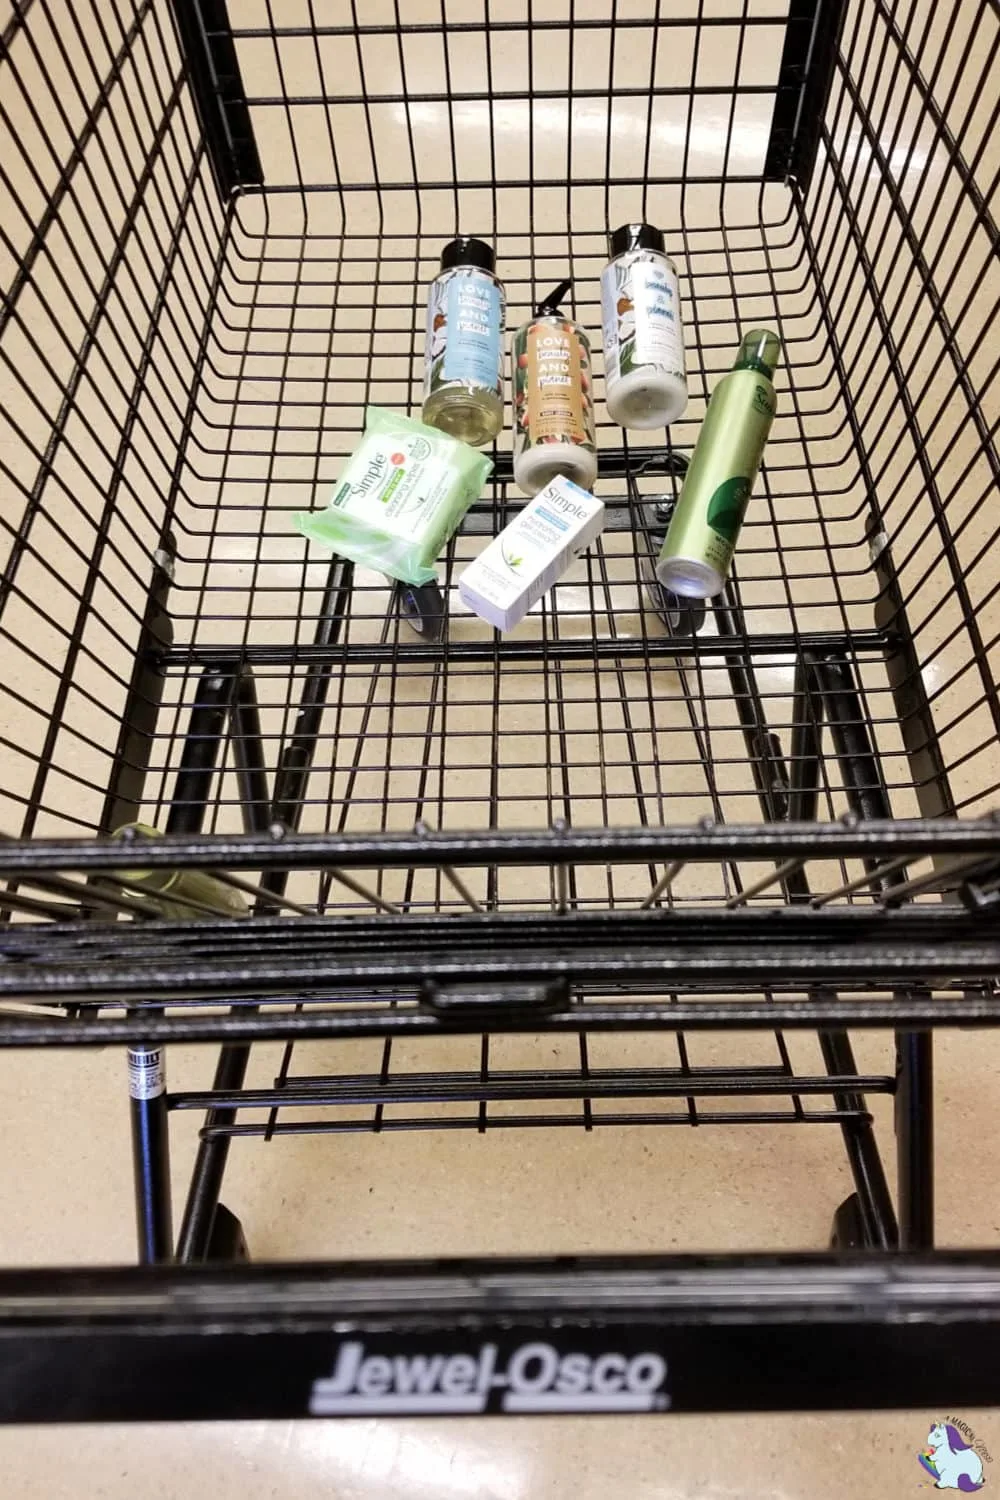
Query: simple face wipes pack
point(402, 495)
point(524, 561)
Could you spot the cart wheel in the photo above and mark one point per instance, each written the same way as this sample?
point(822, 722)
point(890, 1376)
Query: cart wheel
point(422, 607)
point(227, 1241)
point(848, 1232)
point(680, 616)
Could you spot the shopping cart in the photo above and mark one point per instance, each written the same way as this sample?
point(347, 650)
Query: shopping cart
point(769, 819)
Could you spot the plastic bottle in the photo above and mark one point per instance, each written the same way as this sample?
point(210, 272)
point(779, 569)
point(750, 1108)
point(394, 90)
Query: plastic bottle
point(698, 547)
point(553, 400)
point(645, 383)
point(463, 355)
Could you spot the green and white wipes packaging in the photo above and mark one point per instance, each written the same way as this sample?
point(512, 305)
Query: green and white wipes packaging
point(403, 493)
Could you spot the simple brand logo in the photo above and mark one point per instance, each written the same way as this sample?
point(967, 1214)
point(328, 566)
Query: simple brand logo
point(536, 1377)
point(567, 506)
point(372, 475)
point(953, 1457)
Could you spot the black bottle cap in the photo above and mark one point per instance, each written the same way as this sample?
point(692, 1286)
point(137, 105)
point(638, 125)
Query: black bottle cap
point(468, 252)
point(636, 237)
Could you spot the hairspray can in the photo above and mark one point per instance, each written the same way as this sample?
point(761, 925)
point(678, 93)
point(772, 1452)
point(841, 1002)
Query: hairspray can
point(698, 547)
point(183, 894)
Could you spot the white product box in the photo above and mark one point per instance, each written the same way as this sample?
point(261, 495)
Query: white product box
point(524, 561)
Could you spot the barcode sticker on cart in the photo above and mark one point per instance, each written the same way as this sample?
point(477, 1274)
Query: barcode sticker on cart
point(147, 1077)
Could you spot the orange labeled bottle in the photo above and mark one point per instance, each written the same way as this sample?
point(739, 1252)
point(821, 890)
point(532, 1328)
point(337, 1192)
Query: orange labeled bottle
point(554, 431)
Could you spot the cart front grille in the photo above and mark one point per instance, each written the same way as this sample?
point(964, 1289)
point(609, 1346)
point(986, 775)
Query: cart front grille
point(215, 256)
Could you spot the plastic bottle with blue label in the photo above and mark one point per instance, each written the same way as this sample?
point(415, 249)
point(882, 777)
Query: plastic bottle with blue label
point(463, 357)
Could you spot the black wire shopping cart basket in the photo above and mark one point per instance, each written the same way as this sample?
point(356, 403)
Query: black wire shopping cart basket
point(772, 816)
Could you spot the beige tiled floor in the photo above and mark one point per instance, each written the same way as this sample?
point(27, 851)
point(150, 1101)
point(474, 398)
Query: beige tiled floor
point(685, 1458)
point(268, 438)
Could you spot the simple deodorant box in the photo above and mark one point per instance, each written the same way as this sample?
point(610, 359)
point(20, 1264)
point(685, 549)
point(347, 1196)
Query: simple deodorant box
point(524, 561)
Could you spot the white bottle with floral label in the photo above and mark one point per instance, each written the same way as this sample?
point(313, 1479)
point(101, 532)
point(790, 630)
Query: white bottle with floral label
point(645, 383)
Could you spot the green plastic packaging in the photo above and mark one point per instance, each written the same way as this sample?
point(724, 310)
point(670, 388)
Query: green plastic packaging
point(403, 493)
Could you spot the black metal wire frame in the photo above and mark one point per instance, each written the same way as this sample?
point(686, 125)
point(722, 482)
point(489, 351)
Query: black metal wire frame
point(513, 999)
point(217, 90)
point(219, 239)
point(266, 327)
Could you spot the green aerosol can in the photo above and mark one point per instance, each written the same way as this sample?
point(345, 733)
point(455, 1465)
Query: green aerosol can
point(701, 538)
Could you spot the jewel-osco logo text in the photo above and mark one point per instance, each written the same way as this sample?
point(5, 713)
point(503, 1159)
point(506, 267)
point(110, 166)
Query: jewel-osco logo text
point(534, 1377)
